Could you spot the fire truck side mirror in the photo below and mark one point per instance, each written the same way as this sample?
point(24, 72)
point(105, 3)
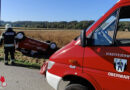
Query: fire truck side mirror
point(83, 38)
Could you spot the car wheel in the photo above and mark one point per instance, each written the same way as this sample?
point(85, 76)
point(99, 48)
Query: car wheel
point(48, 41)
point(20, 35)
point(53, 45)
point(24, 51)
point(76, 87)
point(33, 53)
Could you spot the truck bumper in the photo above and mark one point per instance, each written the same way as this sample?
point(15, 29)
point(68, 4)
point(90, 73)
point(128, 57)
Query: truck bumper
point(53, 80)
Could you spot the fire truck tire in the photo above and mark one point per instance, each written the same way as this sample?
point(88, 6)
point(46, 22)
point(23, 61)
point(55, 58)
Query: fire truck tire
point(76, 87)
point(20, 35)
point(53, 45)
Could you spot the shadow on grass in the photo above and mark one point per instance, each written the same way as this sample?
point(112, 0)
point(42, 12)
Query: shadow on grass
point(1, 59)
point(25, 65)
point(31, 66)
point(19, 63)
point(39, 56)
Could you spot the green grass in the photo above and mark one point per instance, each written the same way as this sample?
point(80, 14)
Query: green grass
point(22, 61)
point(27, 64)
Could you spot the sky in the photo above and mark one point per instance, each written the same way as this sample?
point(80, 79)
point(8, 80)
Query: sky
point(54, 10)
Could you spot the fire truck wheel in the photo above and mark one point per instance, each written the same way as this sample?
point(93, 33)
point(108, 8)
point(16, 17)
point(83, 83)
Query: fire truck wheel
point(76, 87)
point(20, 35)
point(53, 45)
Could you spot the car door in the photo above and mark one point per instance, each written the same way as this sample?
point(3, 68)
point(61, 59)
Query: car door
point(104, 60)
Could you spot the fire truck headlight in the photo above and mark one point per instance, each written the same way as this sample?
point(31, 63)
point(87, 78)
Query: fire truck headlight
point(50, 64)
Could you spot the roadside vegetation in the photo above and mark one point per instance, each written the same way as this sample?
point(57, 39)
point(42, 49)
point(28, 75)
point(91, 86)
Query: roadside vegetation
point(51, 25)
point(60, 37)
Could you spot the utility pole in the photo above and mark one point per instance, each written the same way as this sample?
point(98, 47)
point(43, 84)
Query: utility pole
point(0, 13)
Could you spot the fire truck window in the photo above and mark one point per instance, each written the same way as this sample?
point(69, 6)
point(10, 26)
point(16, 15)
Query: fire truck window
point(103, 35)
point(123, 32)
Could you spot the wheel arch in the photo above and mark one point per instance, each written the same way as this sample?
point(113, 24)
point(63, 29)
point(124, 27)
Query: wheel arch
point(78, 80)
point(81, 79)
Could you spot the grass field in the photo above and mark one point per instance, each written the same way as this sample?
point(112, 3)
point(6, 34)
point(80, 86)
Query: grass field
point(122, 34)
point(60, 37)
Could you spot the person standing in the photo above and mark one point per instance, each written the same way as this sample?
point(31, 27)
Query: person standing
point(8, 38)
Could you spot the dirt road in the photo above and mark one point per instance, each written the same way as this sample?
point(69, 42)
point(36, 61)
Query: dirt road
point(20, 78)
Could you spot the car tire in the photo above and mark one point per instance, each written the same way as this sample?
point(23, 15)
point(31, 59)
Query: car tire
point(20, 36)
point(76, 87)
point(25, 51)
point(33, 53)
point(53, 46)
point(48, 41)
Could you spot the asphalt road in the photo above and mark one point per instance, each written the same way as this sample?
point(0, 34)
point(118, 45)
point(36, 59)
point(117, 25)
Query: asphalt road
point(20, 78)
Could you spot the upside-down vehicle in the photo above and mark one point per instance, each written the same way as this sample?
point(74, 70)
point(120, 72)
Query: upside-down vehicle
point(32, 47)
point(99, 59)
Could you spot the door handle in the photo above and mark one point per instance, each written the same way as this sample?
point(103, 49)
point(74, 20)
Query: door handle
point(73, 67)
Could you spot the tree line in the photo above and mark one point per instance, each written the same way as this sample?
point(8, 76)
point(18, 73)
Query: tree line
point(51, 25)
point(123, 25)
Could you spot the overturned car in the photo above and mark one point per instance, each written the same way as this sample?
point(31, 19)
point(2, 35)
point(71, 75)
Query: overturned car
point(32, 47)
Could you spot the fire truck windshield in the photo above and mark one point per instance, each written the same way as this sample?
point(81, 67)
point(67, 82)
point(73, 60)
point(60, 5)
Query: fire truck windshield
point(103, 35)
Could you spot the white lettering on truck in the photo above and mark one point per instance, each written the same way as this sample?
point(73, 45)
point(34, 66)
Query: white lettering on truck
point(118, 75)
point(118, 55)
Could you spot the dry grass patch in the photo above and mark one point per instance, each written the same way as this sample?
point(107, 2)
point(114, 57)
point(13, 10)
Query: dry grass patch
point(60, 37)
point(123, 34)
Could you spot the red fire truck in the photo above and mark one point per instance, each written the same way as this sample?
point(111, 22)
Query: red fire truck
point(99, 59)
